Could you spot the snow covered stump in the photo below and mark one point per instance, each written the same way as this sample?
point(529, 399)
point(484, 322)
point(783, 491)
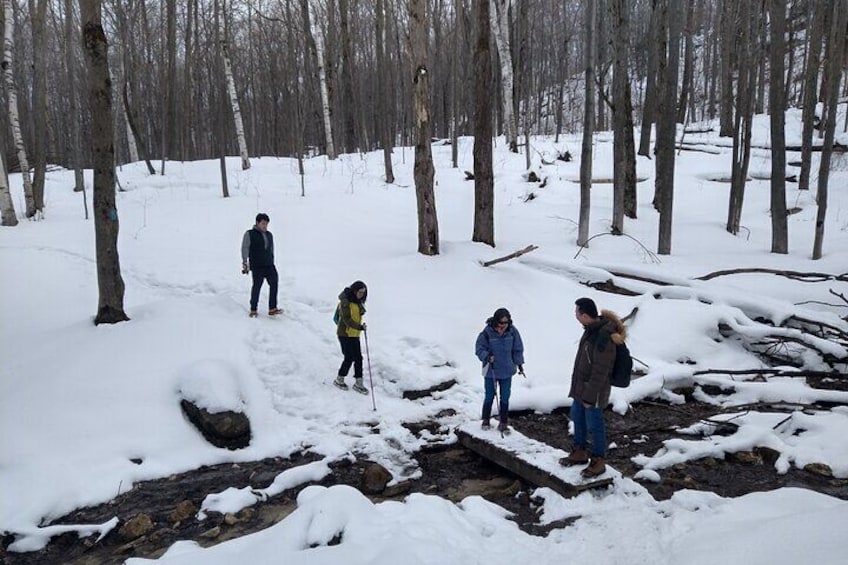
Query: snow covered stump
point(533, 461)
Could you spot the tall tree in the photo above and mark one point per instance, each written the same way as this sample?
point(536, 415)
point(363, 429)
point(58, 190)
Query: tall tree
point(314, 31)
point(484, 191)
point(747, 51)
point(624, 151)
point(650, 99)
point(14, 112)
point(835, 61)
point(234, 102)
point(383, 115)
point(668, 36)
point(688, 62)
point(70, 64)
point(588, 123)
point(727, 24)
point(38, 21)
point(110, 284)
point(777, 111)
point(499, 13)
point(7, 206)
point(811, 76)
point(352, 142)
point(423, 171)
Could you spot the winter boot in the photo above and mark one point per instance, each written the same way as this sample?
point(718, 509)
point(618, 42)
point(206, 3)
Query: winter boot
point(359, 387)
point(253, 313)
point(486, 424)
point(577, 457)
point(274, 312)
point(596, 467)
point(339, 382)
point(502, 427)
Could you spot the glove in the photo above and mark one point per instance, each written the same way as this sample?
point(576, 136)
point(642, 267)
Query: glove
point(364, 326)
point(521, 370)
point(244, 268)
point(491, 359)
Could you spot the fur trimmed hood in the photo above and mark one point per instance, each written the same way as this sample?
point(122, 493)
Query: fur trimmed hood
point(618, 333)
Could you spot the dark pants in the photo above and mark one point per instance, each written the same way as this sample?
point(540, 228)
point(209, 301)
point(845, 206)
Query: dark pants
point(262, 274)
point(352, 356)
point(589, 420)
point(503, 409)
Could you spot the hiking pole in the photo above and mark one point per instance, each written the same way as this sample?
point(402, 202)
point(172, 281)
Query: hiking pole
point(370, 378)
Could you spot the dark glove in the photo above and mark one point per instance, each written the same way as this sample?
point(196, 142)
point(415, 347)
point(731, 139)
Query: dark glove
point(244, 268)
point(521, 370)
point(491, 359)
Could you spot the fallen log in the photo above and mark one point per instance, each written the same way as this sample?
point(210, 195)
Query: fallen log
point(794, 275)
point(518, 253)
point(534, 461)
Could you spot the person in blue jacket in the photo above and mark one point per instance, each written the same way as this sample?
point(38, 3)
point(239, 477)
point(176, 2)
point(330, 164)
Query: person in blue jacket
point(501, 352)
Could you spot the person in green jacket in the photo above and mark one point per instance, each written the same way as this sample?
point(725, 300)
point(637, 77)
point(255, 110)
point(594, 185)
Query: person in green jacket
point(349, 311)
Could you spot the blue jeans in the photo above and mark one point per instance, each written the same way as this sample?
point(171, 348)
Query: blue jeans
point(592, 419)
point(505, 385)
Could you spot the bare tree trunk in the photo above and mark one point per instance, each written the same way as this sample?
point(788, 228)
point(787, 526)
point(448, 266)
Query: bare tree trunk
point(7, 207)
point(70, 43)
point(484, 186)
point(110, 284)
point(669, 19)
point(428, 224)
point(186, 137)
point(383, 114)
point(777, 109)
point(747, 44)
point(688, 62)
point(624, 163)
point(649, 101)
point(318, 38)
point(136, 135)
point(728, 40)
point(14, 115)
point(455, 87)
point(234, 103)
point(588, 124)
point(38, 15)
point(811, 76)
point(500, 26)
point(351, 138)
point(834, 75)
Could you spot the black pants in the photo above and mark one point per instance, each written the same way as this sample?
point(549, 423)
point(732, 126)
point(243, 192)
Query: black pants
point(260, 274)
point(352, 356)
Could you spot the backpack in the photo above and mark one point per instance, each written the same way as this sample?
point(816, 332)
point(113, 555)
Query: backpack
point(622, 368)
point(336, 315)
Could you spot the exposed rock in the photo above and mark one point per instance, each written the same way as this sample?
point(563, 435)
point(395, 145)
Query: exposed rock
point(481, 487)
point(375, 478)
point(416, 394)
point(136, 527)
point(212, 533)
point(246, 514)
point(768, 454)
point(747, 457)
point(819, 469)
point(398, 489)
point(184, 510)
point(230, 519)
point(222, 429)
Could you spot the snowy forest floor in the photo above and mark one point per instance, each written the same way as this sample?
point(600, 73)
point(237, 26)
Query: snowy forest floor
point(448, 471)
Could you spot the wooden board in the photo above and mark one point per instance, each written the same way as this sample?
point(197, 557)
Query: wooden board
point(534, 461)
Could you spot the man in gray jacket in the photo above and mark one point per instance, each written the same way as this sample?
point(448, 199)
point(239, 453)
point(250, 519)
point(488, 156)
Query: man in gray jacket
point(257, 257)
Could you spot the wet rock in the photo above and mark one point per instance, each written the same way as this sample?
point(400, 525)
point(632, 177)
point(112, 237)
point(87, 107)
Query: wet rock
point(768, 454)
point(246, 514)
point(375, 478)
point(398, 489)
point(747, 457)
point(136, 527)
point(487, 488)
point(211, 533)
point(184, 510)
point(820, 469)
point(230, 519)
point(222, 429)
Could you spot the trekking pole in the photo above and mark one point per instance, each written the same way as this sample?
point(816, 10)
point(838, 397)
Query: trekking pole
point(370, 377)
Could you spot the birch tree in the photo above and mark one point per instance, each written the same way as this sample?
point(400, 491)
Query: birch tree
point(12, 99)
point(484, 191)
point(318, 39)
point(234, 104)
point(7, 206)
point(500, 26)
point(423, 171)
point(110, 284)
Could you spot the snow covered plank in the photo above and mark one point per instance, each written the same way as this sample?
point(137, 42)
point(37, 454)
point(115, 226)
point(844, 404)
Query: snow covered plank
point(534, 461)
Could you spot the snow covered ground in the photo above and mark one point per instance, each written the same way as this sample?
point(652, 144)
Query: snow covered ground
point(78, 403)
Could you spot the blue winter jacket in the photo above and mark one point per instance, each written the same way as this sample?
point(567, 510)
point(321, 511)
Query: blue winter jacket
point(507, 349)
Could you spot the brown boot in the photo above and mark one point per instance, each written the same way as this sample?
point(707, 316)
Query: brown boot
point(577, 457)
point(596, 467)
